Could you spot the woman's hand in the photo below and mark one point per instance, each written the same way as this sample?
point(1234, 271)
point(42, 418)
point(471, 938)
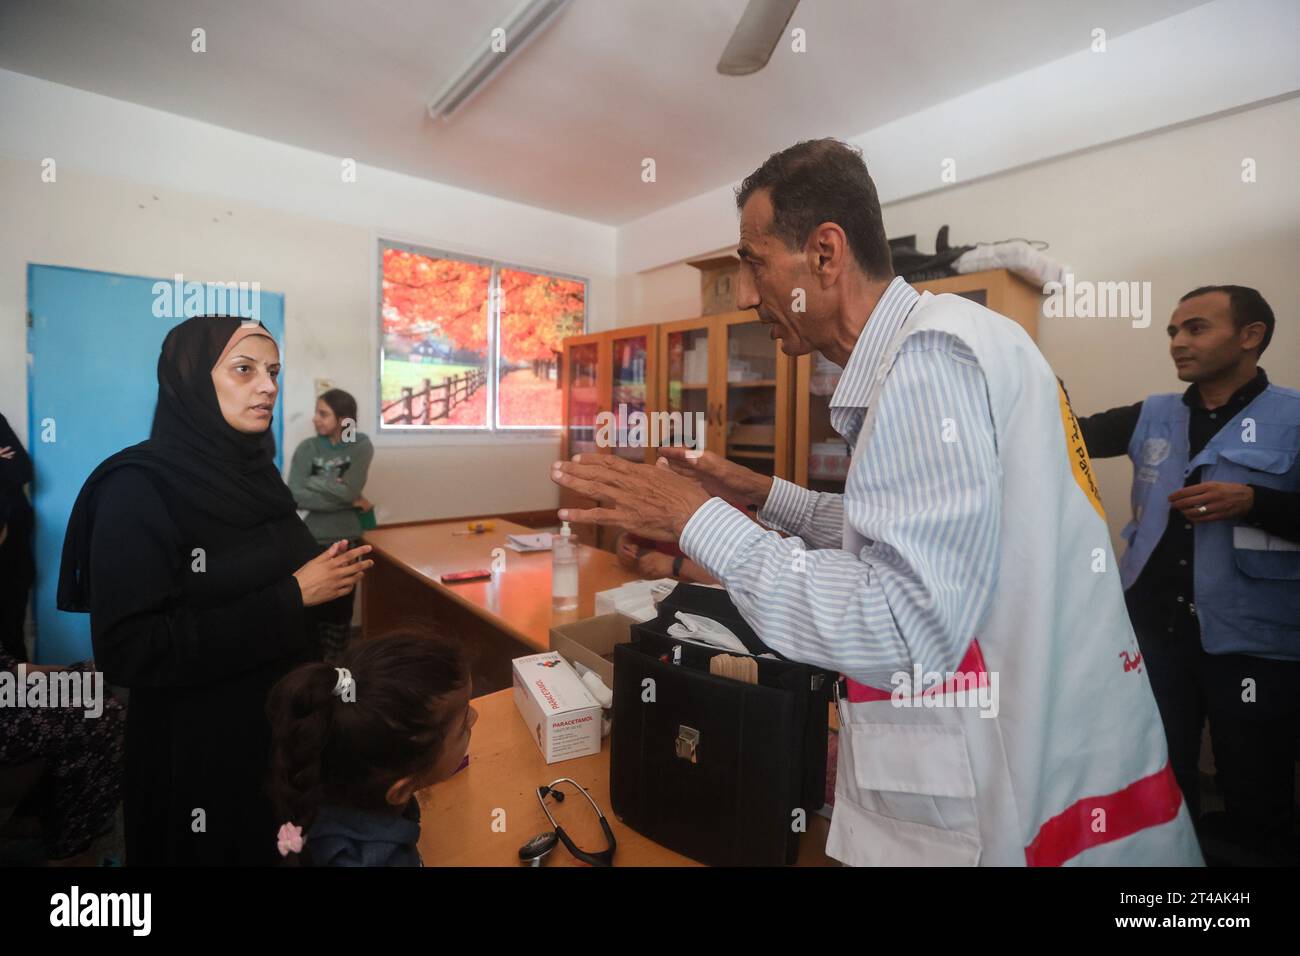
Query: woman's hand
point(332, 574)
point(655, 564)
point(362, 503)
point(628, 551)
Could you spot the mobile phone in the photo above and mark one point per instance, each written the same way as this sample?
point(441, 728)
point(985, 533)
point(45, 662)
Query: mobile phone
point(459, 577)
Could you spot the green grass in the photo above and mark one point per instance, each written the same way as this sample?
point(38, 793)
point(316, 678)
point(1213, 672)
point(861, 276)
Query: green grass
point(399, 375)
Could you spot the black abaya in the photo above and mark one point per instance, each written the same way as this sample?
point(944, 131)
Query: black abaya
point(200, 650)
point(183, 549)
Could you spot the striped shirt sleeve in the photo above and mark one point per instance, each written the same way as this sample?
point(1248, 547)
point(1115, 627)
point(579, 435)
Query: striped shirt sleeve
point(927, 497)
point(815, 516)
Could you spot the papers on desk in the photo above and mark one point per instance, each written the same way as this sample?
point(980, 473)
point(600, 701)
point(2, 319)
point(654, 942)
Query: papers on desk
point(529, 542)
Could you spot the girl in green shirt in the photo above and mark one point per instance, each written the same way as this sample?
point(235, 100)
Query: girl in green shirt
point(327, 477)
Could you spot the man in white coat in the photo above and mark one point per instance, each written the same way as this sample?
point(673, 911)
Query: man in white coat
point(995, 709)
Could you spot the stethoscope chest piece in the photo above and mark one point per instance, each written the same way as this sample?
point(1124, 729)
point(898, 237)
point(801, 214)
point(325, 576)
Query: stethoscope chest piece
point(536, 848)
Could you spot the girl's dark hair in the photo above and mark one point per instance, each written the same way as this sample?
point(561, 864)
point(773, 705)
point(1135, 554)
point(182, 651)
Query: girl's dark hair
point(326, 750)
point(341, 403)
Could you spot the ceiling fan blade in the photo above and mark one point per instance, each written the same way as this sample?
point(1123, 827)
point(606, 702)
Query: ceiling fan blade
point(756, 36)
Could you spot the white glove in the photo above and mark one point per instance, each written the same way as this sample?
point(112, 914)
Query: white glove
point(706, 631)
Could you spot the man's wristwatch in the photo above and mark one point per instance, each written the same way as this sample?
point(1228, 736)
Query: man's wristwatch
point(677, 565)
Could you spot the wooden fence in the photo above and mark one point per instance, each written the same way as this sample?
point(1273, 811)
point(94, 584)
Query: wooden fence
point(416, 408)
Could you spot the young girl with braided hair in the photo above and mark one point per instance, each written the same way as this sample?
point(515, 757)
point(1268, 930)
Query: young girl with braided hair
point(353, 743)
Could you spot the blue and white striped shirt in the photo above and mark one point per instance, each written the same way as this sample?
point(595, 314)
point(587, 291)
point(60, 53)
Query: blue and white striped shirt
point(926, 495)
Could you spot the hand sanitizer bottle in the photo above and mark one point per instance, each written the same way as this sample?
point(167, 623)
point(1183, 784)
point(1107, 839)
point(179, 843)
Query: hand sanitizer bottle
point(564, 570)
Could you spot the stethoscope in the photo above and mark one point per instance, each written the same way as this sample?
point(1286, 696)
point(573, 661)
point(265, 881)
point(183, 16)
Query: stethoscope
point(539, 846)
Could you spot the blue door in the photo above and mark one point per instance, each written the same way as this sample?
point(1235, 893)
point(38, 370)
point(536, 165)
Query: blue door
point(93, 341)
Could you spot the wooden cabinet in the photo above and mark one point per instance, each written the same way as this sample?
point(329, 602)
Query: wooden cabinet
point(725, 379)
point(731, 377)
point(613, 373)
point(820, 457)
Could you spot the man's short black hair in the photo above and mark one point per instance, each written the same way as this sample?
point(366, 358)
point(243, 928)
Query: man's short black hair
point(1247, 307)
point(823, 180)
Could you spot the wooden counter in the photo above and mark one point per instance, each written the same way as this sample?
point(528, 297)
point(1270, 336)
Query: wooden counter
point(504, 771)
point(501, 619)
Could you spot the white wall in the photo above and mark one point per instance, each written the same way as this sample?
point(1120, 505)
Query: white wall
point(1170, 209)
point(1167, 207)
point(1220, 56)
point(232, 207)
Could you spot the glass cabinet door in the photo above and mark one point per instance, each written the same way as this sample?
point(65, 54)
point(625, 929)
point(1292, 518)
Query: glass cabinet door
point(749, 416)
point(686, 361)
point(584, 398)
point(630, 393)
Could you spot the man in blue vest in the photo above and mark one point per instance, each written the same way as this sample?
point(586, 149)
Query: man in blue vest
point(1211, 571)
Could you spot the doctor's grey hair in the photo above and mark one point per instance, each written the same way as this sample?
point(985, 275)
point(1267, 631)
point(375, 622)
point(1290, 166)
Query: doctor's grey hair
point(823, 180)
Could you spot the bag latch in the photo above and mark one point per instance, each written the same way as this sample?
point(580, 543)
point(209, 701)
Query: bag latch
point(688, 742)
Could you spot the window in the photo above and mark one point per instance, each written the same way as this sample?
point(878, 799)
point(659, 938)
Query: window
point(471, 344)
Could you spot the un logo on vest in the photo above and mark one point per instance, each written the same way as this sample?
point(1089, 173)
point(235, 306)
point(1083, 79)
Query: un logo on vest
point(1155, 451)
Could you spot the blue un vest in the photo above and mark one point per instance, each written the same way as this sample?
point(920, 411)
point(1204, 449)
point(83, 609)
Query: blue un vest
point(1247, 584)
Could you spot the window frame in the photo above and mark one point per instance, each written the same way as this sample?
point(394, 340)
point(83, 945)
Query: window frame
point(466, 434)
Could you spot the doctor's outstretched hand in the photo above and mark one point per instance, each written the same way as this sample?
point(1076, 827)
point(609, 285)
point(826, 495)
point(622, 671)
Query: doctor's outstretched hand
point(649, 501)
point(719, 476)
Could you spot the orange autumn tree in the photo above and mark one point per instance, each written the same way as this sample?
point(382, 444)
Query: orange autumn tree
point(537, 313)
point(448, 299)
point(444, 298)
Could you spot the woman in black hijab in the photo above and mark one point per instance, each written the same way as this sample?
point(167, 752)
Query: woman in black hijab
point(200, 580)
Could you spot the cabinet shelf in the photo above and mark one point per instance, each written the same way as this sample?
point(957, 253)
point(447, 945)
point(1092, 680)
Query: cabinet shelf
point(996, 289)
point(687, 365)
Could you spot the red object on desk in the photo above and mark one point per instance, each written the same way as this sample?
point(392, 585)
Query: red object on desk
point(456, 577)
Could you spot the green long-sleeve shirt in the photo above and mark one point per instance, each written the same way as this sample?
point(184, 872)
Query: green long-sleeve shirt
point(325, 479)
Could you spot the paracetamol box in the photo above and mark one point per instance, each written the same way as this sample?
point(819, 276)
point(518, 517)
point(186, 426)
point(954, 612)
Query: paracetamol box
point(560, 712)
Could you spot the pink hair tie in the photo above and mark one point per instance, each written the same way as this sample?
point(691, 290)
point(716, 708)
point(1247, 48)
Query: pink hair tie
point(289, 839)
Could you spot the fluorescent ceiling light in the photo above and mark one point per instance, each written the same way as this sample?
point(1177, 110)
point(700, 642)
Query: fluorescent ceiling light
point(527, 22)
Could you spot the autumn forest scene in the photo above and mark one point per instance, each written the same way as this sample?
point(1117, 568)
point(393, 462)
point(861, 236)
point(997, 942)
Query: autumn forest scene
point(437, 316)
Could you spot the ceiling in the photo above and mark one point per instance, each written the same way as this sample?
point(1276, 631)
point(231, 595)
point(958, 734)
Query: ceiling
point(567, 124)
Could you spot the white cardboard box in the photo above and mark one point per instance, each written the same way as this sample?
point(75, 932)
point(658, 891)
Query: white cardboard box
point(560, 712)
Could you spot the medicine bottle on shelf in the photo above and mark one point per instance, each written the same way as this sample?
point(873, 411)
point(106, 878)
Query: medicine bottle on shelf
point(564, 570)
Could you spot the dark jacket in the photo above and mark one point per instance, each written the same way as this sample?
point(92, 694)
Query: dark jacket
point(341, 836)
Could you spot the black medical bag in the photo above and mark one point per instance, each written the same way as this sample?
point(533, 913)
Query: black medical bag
point(725, 772)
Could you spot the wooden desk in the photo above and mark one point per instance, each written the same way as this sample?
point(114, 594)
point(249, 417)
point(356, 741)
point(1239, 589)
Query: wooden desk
point(504, 772)
point(504, 618)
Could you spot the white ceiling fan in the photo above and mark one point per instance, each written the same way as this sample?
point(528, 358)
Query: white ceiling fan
point(756, 36)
